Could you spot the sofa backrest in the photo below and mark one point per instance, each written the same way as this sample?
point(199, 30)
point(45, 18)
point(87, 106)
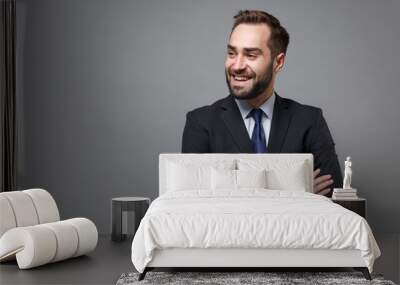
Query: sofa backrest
point(26, 208)
point(276, 162)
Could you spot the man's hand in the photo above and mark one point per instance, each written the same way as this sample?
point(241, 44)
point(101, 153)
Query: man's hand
point(322, 183)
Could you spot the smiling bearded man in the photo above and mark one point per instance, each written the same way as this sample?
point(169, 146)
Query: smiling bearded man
point(243, 81)
point(254, 118)
point(258, 87)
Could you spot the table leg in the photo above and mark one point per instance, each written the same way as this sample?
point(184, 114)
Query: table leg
point(116, 217)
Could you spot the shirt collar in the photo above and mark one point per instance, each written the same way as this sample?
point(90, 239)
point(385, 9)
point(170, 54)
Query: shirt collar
point(267, 107)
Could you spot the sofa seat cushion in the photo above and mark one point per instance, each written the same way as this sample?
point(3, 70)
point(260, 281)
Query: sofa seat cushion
point(40, 244)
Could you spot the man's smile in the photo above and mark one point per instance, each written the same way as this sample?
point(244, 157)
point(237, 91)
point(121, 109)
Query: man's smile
point(240, 80)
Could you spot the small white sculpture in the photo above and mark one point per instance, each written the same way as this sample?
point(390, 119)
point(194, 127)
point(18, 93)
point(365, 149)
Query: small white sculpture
point(347, 173)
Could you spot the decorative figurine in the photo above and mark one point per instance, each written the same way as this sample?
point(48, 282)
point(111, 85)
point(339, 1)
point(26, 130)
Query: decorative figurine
point(347, 173)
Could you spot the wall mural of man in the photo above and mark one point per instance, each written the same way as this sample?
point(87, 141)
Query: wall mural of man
point(253, 118)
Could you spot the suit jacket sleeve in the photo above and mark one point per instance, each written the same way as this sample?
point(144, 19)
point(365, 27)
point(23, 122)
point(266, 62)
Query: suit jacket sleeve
point(195, 138)
point(321, 145)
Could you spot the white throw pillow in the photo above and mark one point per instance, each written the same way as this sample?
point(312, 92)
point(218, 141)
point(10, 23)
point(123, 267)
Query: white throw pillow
point(251, 178)
point(237, 179)
point(223, 179)
point(287, 179)
point(282, 174)
point(181, 177)
point(191, 174)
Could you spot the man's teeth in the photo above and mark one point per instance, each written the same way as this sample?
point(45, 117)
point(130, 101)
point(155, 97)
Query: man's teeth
point(241, 78)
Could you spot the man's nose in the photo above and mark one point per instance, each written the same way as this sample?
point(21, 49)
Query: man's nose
point(239, 63)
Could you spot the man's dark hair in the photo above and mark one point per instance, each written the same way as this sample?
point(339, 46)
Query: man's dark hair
point(279, 39)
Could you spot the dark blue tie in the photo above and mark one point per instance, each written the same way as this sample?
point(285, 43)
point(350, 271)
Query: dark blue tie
point(258, 136)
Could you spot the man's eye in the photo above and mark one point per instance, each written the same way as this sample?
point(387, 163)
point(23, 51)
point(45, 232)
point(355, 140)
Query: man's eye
point(251, 56)
point(231, 54)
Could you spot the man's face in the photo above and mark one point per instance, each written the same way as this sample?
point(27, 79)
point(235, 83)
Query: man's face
point(248, 63)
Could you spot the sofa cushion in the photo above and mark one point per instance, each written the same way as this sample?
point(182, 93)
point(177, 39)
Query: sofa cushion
point(23, 208)
point(45, 206)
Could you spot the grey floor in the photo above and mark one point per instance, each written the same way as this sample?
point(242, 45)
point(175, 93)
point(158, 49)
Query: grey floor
point(110, 260)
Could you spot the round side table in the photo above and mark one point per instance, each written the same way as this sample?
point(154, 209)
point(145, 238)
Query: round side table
point(126, 214)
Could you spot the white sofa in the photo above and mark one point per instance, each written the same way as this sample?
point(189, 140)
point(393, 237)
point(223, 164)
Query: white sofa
point(31, 231)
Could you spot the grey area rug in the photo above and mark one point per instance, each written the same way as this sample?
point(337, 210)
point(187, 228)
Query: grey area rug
point(229, 278)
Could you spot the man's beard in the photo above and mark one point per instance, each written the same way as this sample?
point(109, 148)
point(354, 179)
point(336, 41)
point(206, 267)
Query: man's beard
point(256, 90)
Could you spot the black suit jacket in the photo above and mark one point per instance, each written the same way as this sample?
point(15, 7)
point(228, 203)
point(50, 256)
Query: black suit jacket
point(295, 128)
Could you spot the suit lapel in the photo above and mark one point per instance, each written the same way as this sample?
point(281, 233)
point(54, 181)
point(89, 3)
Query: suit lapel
point(279, 125)
point(234, 122)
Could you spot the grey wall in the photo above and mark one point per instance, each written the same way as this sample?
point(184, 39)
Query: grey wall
point(104, 86)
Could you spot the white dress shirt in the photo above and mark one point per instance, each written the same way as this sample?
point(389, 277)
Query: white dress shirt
point(267, 107)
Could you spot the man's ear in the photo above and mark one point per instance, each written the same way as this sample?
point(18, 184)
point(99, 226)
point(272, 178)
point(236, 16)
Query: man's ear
point(279, 62)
